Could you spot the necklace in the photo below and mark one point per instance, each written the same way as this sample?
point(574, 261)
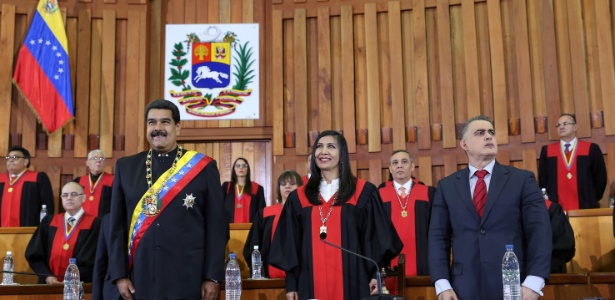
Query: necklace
point(151, 203)
point(239, 193)
point(323, 220)
point(93, 188)
point(13, 179)
point(404, 213)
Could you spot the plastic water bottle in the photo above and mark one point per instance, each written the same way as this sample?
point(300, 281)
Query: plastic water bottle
point(510, 275)
point(257, 263)
point(232, 279)
point(7, 278)
point(544, 194)
point(43, 212)
point(71, 281)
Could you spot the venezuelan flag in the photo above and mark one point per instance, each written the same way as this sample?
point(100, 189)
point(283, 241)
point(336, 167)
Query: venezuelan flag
point(42, 72)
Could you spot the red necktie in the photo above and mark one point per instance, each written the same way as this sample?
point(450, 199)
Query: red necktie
point(480, 192)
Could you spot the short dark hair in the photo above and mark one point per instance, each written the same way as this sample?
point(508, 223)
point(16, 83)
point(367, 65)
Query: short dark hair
point(464, 129)
point(574, 119)
point(288, 175)
point(24, 151)
point(164, 104)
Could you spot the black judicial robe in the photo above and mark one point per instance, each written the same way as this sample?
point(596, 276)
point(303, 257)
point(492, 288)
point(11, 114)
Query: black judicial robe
point(39, 249)
point(591, 175)
point(257, 201)
point(317, 270)
point(563, 238)
point(261, 234)
point(33, 195)
point(422, 196)
point(183, 247)
point(102, 194)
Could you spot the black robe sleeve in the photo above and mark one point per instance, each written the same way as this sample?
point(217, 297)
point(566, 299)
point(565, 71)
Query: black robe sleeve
point(229, 201)
point(85, 250)
point(563, 239)
point(101, 261)
point(598, 170)
point(286, 245)
point(37, 252)
point(255, 238)
point(258, 202)
point(543, 168)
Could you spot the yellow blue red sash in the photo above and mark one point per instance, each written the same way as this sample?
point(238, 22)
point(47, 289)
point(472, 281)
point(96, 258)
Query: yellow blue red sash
point(191, 164)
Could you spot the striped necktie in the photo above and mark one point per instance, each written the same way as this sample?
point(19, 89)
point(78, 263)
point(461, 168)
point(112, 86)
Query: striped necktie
point(480, 192)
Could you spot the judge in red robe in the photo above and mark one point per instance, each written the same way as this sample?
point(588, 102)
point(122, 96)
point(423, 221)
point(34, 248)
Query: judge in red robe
point(341, 209)
point(265, 223)
point(408, 203)
point(62, 236)
point(97, 185)
point(243, 197)
point(23, 192)
point(572, 171)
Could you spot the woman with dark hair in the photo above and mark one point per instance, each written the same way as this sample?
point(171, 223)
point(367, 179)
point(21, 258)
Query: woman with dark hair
point(243, 198)
point(265, 222)
point(341, 209)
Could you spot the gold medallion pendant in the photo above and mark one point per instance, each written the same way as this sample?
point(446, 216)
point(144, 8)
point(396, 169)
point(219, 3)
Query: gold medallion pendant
point(65, 246)
point(10, 190)
point(404, 213)
point(91, 198)
point(323, 229)
point(569, 175)
point(151, 206)
point(239, 205)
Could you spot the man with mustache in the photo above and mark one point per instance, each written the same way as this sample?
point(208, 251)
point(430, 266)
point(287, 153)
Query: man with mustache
point(168, 223)
point(572, 171)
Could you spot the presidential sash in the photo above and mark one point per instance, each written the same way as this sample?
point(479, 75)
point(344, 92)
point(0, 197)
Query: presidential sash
point(190, 165)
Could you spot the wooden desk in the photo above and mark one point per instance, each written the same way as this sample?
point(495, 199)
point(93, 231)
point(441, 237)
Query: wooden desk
point(38, 292)
point(595, 245)
point(16, 239)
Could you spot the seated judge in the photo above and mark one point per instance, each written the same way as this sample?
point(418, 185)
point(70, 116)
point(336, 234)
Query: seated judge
point(62, 236)
point(408, 203)
point(265, 223)
point(337, 207)
point(23, 192)
point(243, 198)
point(97, 185)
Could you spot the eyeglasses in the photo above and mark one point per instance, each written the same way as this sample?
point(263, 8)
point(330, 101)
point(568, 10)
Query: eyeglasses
point(14, 157)
point(97, 158)
point(71, 195)
point(563, 124)
point(241, 166)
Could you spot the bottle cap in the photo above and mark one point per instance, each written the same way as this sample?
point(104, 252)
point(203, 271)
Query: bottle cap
point(255, 247)
point(72, 260)
point(9, 252)
point(44, 206)
point(232, 256)
point(509, 247)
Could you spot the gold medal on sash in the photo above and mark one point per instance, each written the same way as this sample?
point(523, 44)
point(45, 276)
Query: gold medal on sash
point(91, 198)
point(10, 189)
point(569, 176)
point(239, 205)
point(404, 213)
point(65, 246)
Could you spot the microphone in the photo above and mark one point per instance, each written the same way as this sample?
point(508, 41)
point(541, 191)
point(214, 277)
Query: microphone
point(323, 236)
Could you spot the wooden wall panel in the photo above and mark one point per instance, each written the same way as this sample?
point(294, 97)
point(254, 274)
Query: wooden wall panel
point(7, 39)
point(372, 72)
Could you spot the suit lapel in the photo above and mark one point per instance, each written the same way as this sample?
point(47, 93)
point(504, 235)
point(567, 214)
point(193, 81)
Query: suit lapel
point(498, 180)
point(462, 183)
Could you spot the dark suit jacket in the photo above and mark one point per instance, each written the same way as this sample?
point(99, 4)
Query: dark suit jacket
point(515, 213)
point(185, 244)
point(102, 286)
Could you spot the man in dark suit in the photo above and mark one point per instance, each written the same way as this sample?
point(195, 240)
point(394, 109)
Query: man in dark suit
point(508, 208)
point(102, 286)
point(168, 223)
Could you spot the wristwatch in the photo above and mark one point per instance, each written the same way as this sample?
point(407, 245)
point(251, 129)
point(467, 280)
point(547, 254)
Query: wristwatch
point(214, 281)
